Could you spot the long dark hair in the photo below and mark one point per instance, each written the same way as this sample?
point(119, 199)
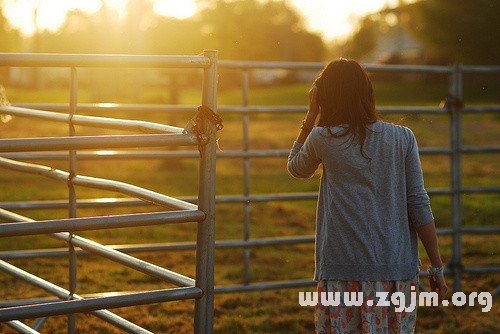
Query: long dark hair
point(345, 96)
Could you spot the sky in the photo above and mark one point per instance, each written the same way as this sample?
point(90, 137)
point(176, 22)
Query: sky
point(331, 18)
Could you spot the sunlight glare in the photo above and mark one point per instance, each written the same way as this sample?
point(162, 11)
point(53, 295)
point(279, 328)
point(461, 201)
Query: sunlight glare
point(106, 200)
point(105, 152)
point(335, 18)
point(175, 8)
point(107, 105)
point(50, 16)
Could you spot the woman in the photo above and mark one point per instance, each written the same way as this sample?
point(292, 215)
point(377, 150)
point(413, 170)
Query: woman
point(371, 206)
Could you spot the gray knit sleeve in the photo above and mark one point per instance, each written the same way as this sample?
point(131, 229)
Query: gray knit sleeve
point(303, 160)
point(419, 208)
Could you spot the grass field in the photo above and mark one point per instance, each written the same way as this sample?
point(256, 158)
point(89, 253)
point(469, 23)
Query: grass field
point(257, 312)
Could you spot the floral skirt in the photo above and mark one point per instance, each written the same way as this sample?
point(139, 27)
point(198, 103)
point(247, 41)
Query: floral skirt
point(365, 319)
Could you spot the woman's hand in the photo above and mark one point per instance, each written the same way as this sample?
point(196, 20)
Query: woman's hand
point(310, 121)
point(313, 111)
point(438, 285)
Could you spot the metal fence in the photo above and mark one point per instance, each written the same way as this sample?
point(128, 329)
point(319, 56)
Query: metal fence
point(454, 151)
point(201, 134)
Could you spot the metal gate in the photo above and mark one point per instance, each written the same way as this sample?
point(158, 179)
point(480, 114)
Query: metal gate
point(200, 133)
point(452, 108)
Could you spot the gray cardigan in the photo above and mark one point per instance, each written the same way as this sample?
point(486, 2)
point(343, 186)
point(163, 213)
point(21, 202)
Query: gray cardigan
point(367, 210)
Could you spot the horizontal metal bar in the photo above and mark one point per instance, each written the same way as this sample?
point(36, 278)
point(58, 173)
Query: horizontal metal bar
point(303, 109)
point(481, 109)
point(120, 60)
point(63, 294)
point(480, 230)
point(464, 190)
point(408, 68)
point(101, 122)
point(95, 142)
point(99, 107)
point(99, 222)
point(227, 109)
point(174, 246)
point(124, 202)
point(411, 110)
point(86, 305)
point(109, 253)
point(261, 286)
point(480, 190)
point(83, 203)
point(488, 69)
point(469, 230)
point(226, 154)
point(181, 246)
point(112, 154)
point(434, 150)
point(482, 269)
point(21, 327)
point(265, 286)
point(314, 195)
point(98, 183)
point(235, 64)
point(480, 149)
point(100, 60)
point(102, 107)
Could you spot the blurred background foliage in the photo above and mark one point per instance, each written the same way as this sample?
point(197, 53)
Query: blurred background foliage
point(446, 31)
point(247, 29)
point(439, 32)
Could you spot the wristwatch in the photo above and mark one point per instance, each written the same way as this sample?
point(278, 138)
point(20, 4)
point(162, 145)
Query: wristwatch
point(434, 271)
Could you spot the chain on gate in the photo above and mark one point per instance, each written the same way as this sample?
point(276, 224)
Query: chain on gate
point(196, 125)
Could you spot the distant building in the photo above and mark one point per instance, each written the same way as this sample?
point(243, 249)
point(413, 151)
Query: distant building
point(396, 43)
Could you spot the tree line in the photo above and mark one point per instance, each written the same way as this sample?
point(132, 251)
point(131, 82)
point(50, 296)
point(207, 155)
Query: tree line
point(465, 31)
point(242, 29)
point(452, 31)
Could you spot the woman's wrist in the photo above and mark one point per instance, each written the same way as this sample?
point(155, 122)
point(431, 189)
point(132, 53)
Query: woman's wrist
point(437, 264)
point(436, 261)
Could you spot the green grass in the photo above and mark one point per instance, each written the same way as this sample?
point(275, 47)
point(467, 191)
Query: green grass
point(256, 312)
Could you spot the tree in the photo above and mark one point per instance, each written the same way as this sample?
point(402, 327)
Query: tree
point(364, 40)
point(462, 31)
point(257, 30)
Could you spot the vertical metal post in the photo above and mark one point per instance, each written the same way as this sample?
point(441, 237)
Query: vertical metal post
point(246, 179)
point(205, 243)
point(456, 92)
point(72, 197)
